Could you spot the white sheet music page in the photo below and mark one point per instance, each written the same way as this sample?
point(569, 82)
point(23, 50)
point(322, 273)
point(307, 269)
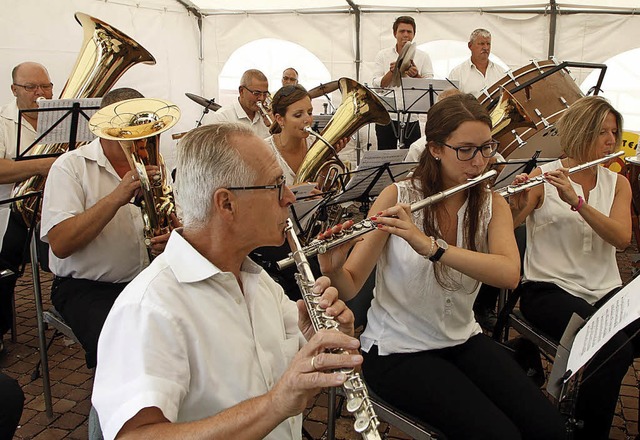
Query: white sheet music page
point(60, 134)
point(616, 314)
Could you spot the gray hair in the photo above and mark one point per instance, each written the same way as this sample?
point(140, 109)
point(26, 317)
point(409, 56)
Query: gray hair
point(208, 160)
point(479, 33)
point(250, 75)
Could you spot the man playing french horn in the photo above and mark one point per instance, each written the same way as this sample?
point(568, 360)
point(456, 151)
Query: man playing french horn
point(95, 234)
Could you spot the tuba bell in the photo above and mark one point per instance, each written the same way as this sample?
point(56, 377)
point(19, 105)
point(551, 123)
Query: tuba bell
point(360, 106)
point(136, 124)
point(106, 54)
point(508, 115)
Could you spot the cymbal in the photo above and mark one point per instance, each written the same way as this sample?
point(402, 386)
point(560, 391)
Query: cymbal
point(403, 63)
point(206, 103)
point(323, 89)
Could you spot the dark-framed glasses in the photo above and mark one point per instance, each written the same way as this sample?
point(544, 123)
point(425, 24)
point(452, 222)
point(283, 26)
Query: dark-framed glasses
point(279, 186)
point(468, 152)
point(33, 87)
point(256, 93)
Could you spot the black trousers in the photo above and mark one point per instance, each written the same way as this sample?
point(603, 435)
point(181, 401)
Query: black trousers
point(388, 138)
point(14, 251)
point(549, 308)
point(11, 404)
point(471, 391)
point(84, 305)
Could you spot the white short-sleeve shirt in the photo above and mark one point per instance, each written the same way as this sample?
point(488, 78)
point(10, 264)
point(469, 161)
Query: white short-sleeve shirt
point(8, 140)
point(78, 180)
point(235, 113)
point(189, 342)
point(472, 80)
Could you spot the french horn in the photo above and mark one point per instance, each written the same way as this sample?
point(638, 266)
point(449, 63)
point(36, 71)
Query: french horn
point(136, 124)
point(105, 55)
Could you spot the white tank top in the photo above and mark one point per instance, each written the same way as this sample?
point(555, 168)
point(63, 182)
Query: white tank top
point(563, 249)
point(410, 311)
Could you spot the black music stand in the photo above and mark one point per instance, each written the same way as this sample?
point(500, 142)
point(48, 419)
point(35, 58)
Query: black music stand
point(71, 110)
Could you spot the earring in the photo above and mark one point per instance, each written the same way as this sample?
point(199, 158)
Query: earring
point(437, 158)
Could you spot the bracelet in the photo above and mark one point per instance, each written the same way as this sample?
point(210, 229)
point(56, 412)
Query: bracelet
point(579, 205)
point(430, 253)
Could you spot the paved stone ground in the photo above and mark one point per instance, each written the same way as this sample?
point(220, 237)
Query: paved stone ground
point(71, 381)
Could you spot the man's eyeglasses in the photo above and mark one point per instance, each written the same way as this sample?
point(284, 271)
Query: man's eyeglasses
point(279, 186)
point(256, 93)
point(469, 152)
point(33, 87)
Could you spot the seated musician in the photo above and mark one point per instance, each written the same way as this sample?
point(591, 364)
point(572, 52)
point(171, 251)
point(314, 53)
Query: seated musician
point(208, 345)
point(574, 225)
point(293, 112)
point(424, 352)
point(94, 232)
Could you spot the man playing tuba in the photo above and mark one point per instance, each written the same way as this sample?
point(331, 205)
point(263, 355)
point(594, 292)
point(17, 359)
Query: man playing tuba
point(95, 234)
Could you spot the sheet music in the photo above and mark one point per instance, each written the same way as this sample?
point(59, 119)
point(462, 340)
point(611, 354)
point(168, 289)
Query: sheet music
point(613, 316)
point(61, 133)
point(368, 170)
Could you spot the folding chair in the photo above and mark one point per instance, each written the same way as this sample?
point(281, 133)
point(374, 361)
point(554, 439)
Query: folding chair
point(511, 317)
point(385, 411)
point(39, 261)
point(17, 273)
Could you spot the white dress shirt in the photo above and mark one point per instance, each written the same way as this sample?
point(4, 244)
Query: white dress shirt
point(235, 113)
point(390, 55)
point(563, 249)
point(410, 311)
point(471, 80)
point(191, 343)
point(8, 140)
point(78, 180)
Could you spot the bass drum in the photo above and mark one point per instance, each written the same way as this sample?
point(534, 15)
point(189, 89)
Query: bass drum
point(544, 101)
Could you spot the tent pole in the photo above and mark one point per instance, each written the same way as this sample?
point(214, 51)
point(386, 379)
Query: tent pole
point(553, 17)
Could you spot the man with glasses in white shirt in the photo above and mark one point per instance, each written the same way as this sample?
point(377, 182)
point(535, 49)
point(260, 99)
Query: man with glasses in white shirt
point(30, 81)
point(254, 87)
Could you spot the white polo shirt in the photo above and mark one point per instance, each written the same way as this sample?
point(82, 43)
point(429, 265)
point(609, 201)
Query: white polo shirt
point(189, 342)
point(235, 113)
point(472, 80)
point(78, 180)
point(8, 139)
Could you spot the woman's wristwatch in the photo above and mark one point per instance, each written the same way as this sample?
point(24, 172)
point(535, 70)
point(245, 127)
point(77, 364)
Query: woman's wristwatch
point(442, 246)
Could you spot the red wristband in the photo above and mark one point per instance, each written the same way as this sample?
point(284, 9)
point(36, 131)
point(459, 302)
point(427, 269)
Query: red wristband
point(579, 205)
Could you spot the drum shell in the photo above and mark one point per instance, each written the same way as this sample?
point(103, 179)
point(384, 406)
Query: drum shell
point(545, 95)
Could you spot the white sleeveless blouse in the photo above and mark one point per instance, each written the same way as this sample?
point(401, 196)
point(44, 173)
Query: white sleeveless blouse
point(564, 250)
point(410, 311)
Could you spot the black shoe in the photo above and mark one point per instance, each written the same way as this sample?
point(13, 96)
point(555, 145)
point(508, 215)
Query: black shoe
point(487, 318)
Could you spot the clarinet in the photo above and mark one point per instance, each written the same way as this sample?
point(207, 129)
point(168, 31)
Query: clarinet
point(358, 403)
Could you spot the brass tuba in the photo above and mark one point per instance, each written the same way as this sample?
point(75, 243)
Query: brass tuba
point(136, 124)
point(106, 54)
point(360, 106)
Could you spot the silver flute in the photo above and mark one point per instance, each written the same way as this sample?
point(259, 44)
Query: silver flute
point(358, 403)
point(320, 246)
point(510, 190)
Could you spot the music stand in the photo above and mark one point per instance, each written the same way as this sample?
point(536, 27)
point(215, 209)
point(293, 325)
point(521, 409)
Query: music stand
point(60, 123)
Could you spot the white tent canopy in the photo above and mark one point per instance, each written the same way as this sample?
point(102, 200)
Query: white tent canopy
point(194, 41)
